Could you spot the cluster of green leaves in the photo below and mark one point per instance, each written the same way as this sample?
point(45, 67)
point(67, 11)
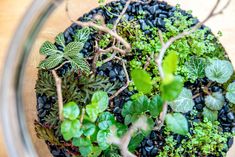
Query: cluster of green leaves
point(71, 52)
point(219, 71)
point(94, 129)
point(206, 139)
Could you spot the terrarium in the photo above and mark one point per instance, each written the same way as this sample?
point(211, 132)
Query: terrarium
point(132, 78)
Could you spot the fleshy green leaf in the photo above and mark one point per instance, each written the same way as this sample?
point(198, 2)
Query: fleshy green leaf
point(219, 71)
point(85, 151)
point(155, 106)
point(82, 34)
point(105, 120)
point(81, 142)
point(73, 49)
point(52, 61)
point(177, 123)
point(71, 110)
point(92, 112)
point(142, 80)
point(215, 101)
point(88, 129)
point(135, 141)
point(184, 102)
point(170, 63)
point(127, 108)
point(102, 139)
point(101, 99)
point(48, 48)
point(172, 90)
point(209, 114)
point(141, 104)
point(70, 129)
point(230, 95)
point(60, 40)
point(196, 68)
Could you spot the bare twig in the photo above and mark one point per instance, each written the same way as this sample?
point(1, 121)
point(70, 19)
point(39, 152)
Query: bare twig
point(62, 65)
point(165, 46)
point(82, 115)
point(59, 93)
point(147, 63)
point(161, 37)
point(162, 116)
point(123, 142)
point(102, 28)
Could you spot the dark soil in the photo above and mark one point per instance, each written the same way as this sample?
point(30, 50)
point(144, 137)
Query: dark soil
point(155, 13)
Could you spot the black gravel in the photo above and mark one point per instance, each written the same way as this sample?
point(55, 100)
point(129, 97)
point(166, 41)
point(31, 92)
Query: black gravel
point(155, 12)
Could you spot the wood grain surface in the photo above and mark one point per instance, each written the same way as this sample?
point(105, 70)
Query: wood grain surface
point(11, 12)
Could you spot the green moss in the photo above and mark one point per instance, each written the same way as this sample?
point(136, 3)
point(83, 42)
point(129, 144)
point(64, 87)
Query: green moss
point(207, 139)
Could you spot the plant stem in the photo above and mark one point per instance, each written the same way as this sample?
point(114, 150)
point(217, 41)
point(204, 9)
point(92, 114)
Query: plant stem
point(59, 93)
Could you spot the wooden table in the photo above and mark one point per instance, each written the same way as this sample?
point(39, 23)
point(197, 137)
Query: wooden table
point(11, 11)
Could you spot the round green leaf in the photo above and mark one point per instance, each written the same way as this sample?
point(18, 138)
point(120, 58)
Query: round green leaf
point(230, 95)
point(105, 120)
point(88, 129)
point(219, 71)
point(81, 142)
point(92, 112)
point(102, 139)
point(71, 110)
point(141, 104)
point(95, 152)
point(155, 106)
point(101, 99)
point(127, 108)
point(171, 90)
point(142, 80)
point(184, 102)
point(170, 63)
point(70, 129)
point(215, 101)
point(209, 114)
point(177, 123)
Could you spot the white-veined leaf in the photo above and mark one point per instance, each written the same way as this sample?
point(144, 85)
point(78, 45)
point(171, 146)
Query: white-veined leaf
point(60, 40)
point(219, 71)
point(79, 63)
point(82, 34)
point(184, 102)
point(215, 101)
point(73, 49)
point(196, 68)
point(48, 48)
point(230, 95)
point(51, 62)
point(209, 114)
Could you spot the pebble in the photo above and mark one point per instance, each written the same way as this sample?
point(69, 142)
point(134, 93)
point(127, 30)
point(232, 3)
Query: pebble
point(230, 116)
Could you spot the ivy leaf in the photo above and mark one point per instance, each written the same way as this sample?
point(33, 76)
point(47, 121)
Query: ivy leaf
point(88, 129)
point(177, 123)
point(73, 49)
point(85, 151)
point(92, 112)
point(71, 111)
point(209, 114)
point(102, 139)
point(230, 95)
point(215, 101)
point(219, 71)
point(170, 63)
point(70, 129)
point(142, 80)
point(48, 48)
point(60, 40)
point(196, 68)
point(101, 99)
point(127, 108)
point(155, 106)
point(141, 104)
point(171, 90)
point(184, 102)
point(52, 61)
point(105, 120)
point(82, 35)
